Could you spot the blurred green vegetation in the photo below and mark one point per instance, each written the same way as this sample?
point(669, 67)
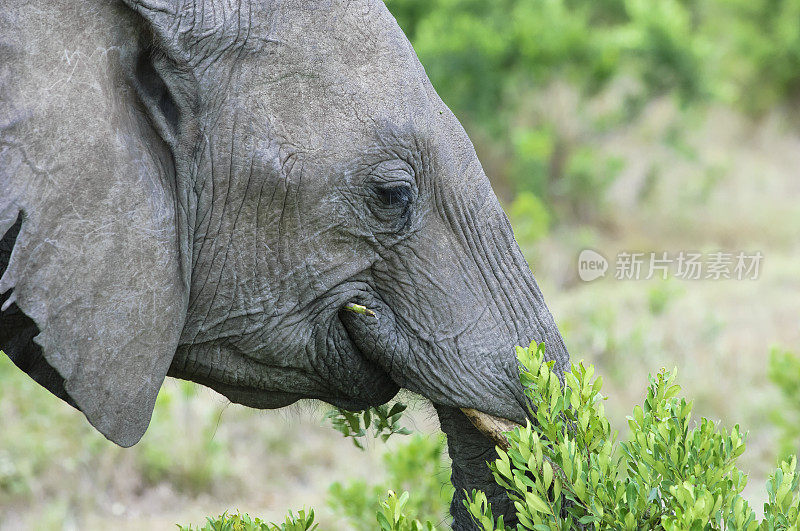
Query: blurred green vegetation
point(568, 470)
point(419, 466)
point(46, 445)
point(199, 462)
point(784, 372)
point(27, 448)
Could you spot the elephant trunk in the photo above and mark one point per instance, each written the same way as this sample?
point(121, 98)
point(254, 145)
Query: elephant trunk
point(474, 432)
point(470, 451)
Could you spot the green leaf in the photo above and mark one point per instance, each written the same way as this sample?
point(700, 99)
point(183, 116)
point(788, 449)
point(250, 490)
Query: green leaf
point(547, 474)
point(536, 503)
point(383, 522)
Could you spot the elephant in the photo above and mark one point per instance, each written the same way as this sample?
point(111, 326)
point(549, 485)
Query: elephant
point(199, 189)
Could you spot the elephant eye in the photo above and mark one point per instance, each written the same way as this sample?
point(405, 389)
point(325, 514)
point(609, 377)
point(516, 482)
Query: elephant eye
point(394, 202)
point(395, 195)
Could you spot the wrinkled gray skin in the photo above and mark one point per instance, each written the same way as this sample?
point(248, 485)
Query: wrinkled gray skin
point(197, 188)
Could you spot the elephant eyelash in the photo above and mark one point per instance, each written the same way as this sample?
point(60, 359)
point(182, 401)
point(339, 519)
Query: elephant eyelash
point(395, 195)
point(393, 203)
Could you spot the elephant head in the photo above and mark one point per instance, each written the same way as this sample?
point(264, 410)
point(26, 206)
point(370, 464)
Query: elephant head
point(198, 189)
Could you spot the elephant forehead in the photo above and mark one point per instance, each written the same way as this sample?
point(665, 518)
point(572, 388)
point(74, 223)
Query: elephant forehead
point(336, 69)
point(341, 34)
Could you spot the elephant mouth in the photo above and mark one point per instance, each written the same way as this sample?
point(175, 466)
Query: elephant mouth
point(490, 426)
point(357, 380)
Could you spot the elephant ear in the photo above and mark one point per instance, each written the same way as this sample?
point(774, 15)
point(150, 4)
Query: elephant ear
point(97, 263)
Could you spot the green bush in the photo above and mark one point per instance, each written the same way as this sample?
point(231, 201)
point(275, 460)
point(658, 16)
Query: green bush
point(243, 522)
point(383, 421)
point(568, 470)
point(392, 515)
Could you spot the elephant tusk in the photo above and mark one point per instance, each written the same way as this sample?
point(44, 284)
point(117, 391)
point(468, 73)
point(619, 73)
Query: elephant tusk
point(491, 426)
point(361, 310)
